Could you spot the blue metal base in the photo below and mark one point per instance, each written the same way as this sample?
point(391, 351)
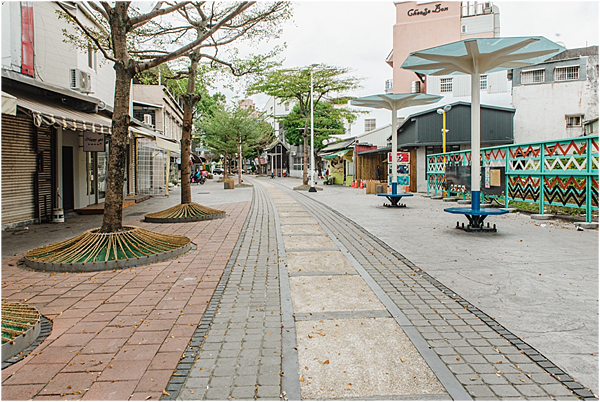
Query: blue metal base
point(476, 218)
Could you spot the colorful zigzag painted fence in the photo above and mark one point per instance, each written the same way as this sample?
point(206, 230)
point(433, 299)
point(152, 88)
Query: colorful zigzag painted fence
point(558, 172)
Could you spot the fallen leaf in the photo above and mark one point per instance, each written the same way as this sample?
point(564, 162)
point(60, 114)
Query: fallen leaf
point(326, 362)
point(403, 360)
point(522, 380)
point(166, 393)
point(458, 358)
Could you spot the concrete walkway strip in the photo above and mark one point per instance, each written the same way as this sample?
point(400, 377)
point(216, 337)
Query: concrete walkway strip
point(355, 361)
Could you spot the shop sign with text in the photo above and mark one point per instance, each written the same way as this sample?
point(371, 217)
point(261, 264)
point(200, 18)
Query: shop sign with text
point(426, 11)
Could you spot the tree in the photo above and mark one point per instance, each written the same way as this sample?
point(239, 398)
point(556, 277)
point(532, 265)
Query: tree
point(295, 85)
point(235, 130)
point(124, 35)
point(328, 121)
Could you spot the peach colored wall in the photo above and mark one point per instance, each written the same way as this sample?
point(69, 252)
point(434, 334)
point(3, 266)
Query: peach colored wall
point(417, 32)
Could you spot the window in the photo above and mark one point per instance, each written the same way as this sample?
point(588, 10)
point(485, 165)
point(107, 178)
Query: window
point(287, 107)
point(532, 76)
point(370, 125)
point(566, 73)
point(463, 28)
point(483, 82)
point(446, 85)
point(573, 121)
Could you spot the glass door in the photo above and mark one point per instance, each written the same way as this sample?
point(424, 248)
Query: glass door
point(96, 170)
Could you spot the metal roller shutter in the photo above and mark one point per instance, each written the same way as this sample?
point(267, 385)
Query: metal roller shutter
point(45, 173)
point(19, 161)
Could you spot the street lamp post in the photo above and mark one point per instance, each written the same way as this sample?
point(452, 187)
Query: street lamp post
point(443, 112)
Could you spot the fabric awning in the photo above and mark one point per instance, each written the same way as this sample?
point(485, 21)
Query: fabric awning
point(343, 152)
point(57, 115)
point(161, 141)
point(9, 104)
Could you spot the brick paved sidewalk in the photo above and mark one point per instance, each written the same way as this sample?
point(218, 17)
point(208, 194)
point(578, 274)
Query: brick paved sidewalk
point(119, 334)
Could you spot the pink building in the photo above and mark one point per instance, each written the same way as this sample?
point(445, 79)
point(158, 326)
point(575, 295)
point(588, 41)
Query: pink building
point(421, 25)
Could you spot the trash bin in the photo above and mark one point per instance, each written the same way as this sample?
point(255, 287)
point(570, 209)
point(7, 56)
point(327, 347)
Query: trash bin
point(278, 174)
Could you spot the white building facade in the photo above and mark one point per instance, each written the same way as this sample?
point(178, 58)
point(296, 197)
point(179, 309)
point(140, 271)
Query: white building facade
point(555, 99)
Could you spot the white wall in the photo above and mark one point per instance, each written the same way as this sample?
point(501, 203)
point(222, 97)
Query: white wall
point(541, 109)
point(53, 57)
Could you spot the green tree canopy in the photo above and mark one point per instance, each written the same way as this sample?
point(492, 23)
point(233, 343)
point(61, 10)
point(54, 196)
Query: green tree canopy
point(289, 85)
point(235, 130)
point(328, 121)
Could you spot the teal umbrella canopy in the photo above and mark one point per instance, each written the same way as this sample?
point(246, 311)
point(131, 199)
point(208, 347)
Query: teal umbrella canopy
point(482, 55)
point(395, 101)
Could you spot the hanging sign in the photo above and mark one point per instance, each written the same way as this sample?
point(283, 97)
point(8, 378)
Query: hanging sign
point(93, 142)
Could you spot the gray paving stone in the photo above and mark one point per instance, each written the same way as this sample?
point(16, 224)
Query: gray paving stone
point(243, 392)
point(480, 391)
point(530, 390)
point(557, 390)
point(241, 380)
point(504, 391)
point(483, 368)
point(217, 393)
point(493, 379)
point(268, 391)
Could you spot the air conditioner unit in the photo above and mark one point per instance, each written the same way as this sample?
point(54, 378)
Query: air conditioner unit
point(80, 80)
point(415, 87)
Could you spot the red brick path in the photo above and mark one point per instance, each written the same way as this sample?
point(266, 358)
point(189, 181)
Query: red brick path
point(119, 334)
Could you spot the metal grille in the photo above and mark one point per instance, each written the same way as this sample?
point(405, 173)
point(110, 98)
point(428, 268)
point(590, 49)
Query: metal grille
point(566, 73)
point(532, 77)
point(152, 167)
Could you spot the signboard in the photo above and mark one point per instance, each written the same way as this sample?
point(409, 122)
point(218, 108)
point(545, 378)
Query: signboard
point(93, 142)
point(458, 179)
point(402, 169)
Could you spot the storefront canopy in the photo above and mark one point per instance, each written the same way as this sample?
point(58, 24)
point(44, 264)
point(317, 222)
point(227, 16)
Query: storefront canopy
point(52, 114)
point(9, 104)
point(161, 141)
point(337, 154)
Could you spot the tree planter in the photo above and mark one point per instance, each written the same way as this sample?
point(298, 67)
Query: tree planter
point(21, 325)
point(191, 212)
point(96, 251)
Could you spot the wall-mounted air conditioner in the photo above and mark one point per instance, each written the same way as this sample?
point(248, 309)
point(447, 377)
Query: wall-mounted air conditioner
point(81, 80)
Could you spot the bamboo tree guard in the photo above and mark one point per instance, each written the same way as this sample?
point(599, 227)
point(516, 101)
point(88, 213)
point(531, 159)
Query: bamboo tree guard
point(190, 212)
point(96, 251)
point(17, 318)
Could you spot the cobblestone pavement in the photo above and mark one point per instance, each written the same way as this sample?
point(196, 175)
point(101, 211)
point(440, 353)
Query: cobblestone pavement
point(250, 351)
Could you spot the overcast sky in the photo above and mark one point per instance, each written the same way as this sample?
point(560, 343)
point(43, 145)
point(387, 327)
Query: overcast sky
point(359, 35)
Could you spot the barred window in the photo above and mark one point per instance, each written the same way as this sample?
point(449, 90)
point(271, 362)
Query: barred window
point(483, 82)
point(573, 121)
point(533, 76)
point(566, 73)
point(446, 85)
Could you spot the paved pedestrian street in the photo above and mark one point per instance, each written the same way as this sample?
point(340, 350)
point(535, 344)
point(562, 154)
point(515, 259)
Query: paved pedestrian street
point(286, 298)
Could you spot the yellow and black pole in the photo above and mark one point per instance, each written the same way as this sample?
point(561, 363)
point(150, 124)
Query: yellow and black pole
point(443, 112)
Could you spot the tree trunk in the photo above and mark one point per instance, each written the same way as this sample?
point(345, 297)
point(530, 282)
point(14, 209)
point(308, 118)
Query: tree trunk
point(113, 204)
point(259, 170)
point(225, 166)
point(240, 165)
point(186, 133)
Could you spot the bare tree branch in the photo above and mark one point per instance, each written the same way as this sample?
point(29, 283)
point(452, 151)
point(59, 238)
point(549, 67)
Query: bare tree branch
point(98, 9)
point(138, 21)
